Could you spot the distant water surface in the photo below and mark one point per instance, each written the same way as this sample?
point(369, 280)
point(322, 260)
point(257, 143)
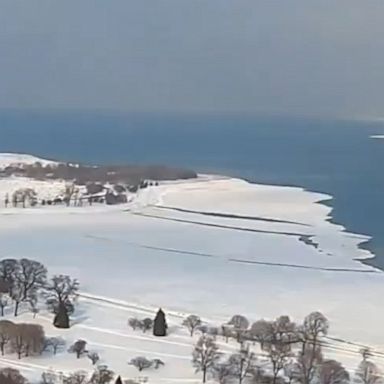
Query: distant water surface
point(335, 157)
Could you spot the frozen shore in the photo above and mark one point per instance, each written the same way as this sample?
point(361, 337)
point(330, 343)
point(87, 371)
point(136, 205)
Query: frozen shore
point(213, 246)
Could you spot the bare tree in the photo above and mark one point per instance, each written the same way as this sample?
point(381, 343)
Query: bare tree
point(34, 339)
point(365, 353)
point(31, 276)
point(8, 271)
point(79, 348)
point(27, 339)
point(315, 325)
point(48, 378)
point(292, 372)
point(243, 364)
point(61, 292)
point(259, 376)
point(205, 355)
point(79, 377)
point(227, 332)
point(309, 335)
point(192, 322)
point(4, 300)
point(11, 376)
point(18, 339)
point(203, 329)
point(368, 373)
point(17, 297)
point(222, 372)
point(157, 363)
point(332, 372)
point(278, 353)
point(276, 339)
point(102, 375)
point(32, 301)
point(141, 363)
point(240, 325)
point(94, 357)
point(62, 289)
point(134, 323)
point(55, 343)
point(308, 362)
point(213, 331)
point(6, 332)
point(261, 331)
point(146, 324)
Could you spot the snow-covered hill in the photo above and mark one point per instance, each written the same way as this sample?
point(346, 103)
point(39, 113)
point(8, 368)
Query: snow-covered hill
point(17, 159)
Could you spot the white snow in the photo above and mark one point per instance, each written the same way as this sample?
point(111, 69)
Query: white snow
point(159, 251)
point(15, 159)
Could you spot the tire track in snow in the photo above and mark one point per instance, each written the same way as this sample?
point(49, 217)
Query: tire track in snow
point(127, 306)
point(152, 353)
point(31, 367)
point(333, 344)
point(151, 339)
point(124, 305)
point(137, 337)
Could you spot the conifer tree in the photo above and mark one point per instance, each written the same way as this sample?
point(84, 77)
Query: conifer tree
point(61, 319)
point(160, 324)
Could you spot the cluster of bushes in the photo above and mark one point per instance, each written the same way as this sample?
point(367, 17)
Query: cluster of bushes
point(79, 348)
point(144, 324)
point(158, 326)
point(25, 282)
point(142, 363)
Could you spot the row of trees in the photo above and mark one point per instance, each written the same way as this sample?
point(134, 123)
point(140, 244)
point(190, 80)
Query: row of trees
point(25, 281)
point(101, 375)
point(290, 353)
point(27, 339)
point(24, 339)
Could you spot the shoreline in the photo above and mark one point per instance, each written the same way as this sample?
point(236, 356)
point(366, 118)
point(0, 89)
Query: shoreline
point(327, 201)
point(366, 258)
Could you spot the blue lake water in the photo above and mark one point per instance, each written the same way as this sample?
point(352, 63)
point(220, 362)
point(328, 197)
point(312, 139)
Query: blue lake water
point(335, 157)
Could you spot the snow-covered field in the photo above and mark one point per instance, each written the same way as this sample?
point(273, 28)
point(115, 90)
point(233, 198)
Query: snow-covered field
point(214, 247)
point(16, 159)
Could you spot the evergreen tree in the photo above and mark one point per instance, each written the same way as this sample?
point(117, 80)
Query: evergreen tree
point(160, 324)
point(118, 380)
point(61, 319)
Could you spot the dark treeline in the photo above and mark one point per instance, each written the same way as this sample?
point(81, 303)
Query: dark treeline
point(83, 174)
